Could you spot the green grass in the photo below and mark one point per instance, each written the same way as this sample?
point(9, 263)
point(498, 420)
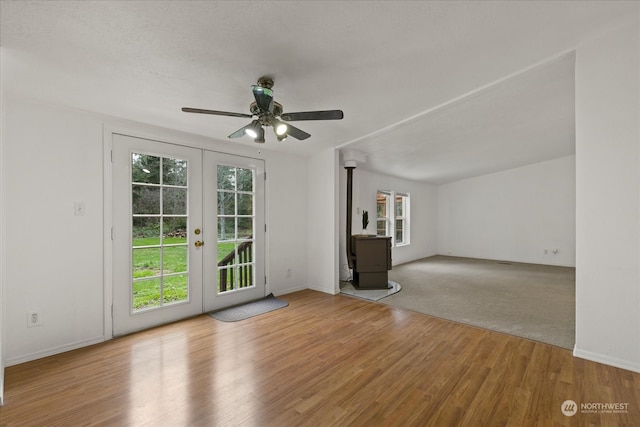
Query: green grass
point(224, 249)
point(146, 263)
point(146, 293)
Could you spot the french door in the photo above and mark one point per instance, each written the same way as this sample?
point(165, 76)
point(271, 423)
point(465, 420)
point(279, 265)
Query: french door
point(234, 204)
point(188, 232)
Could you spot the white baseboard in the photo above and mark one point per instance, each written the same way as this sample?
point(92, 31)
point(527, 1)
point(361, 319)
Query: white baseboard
point(52, 351)
point(330, 291)
point(289, 290)
point(607, 360)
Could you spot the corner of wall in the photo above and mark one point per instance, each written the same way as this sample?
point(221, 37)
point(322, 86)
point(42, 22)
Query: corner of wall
point(608, 198)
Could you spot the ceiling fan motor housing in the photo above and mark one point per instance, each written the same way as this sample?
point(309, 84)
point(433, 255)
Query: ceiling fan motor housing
point(266, 117)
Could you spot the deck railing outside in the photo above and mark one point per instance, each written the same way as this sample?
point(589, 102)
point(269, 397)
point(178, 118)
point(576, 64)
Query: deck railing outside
point(244, 268)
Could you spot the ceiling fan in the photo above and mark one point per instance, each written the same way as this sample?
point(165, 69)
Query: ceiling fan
point(269, 113)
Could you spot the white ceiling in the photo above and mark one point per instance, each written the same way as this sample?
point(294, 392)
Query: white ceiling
point(433, 91)
point(524, 119)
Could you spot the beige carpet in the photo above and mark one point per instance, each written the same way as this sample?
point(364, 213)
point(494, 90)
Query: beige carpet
point(527, 300)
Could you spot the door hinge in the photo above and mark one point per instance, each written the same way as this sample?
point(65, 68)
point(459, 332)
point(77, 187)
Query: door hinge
point(111, 156)
point(265, 175)
point(265, 228)
point(265, 280)
point(112, 233)
point(112, 311)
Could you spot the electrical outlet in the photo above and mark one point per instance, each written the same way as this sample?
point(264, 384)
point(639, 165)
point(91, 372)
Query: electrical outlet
point(33, 319)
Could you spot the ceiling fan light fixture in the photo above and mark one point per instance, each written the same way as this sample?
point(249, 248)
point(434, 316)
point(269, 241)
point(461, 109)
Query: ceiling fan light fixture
point(253, 129)
point(281, 137)
point(281, 128)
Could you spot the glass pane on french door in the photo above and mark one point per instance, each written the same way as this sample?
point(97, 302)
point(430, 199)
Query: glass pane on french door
point(236, 228)
point(159, 189)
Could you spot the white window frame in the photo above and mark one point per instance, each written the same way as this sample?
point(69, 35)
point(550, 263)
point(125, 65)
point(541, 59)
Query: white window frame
point(390, 219)
point(388, 227)
point(404, 218)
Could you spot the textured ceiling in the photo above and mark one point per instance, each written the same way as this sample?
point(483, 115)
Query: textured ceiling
point(387, 65)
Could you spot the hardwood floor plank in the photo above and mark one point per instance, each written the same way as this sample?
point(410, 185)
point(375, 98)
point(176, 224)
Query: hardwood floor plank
point(322, 361)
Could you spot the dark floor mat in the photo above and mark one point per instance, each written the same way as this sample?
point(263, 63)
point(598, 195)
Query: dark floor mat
point(245, 311)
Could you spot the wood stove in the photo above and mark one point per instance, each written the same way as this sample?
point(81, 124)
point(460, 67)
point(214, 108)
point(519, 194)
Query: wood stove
point(368, 256)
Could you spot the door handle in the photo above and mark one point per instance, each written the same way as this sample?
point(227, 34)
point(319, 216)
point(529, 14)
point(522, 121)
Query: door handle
point(198, 243)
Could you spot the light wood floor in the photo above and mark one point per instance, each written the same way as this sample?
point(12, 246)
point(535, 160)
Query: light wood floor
point(323, 361)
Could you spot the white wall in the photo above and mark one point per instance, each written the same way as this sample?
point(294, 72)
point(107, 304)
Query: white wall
point(514, 215)
point(422, 219)
point(608, 198)
point(323, 222)
point(53, 261)
point(53, 156)
point(287, 223)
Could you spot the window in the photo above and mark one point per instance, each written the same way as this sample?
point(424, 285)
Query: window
point(402, 219)
point(383, 213)
point(392, 216)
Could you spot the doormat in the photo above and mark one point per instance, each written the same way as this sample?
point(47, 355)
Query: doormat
point(251, 309)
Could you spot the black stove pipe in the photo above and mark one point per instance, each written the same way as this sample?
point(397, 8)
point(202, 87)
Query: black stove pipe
point(349, 212)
